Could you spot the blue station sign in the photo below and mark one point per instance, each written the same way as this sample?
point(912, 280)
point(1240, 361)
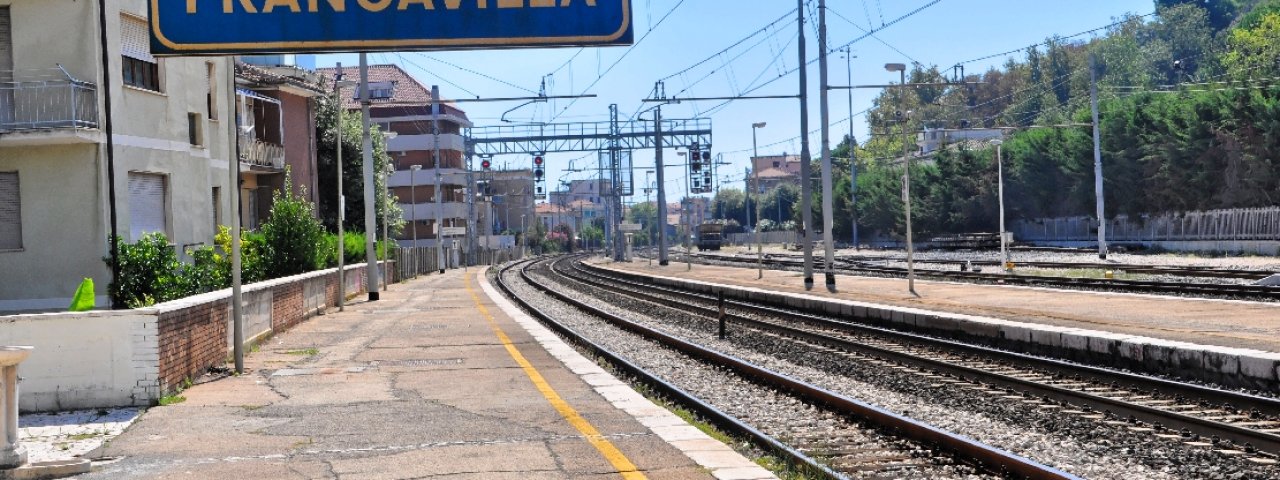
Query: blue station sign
point(222, 27)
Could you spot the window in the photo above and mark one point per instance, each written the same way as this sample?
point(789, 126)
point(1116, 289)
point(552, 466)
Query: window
point(195, 134)
point(378, 91)
point(217, 208)
point(140, 69)
point(211, 92)
point(10, 212)
point(148, 204)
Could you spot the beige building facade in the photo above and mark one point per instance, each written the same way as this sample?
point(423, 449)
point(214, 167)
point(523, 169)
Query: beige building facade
point(171, 154)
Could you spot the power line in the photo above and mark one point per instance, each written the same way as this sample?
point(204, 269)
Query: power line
point(473, 72)
point(630, 49)
point(1047, 42)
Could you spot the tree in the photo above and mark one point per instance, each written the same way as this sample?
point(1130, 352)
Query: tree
point(730, 204)
point(352, 170)
point(779, 204)
point(1255, 52)
point(646, 214)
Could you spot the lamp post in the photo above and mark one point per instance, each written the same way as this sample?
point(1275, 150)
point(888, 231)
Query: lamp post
point(906, 177)
point(338, 84)
point(1004, 250)
point(755, 153)
point(386, 205)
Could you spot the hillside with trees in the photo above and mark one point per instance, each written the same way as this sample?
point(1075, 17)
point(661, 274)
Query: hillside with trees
point(1190, 120)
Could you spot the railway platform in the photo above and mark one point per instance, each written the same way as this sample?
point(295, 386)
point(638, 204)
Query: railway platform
point(1218, 340)
point(441, 378)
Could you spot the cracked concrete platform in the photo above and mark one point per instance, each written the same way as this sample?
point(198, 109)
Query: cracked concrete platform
point(416, 385)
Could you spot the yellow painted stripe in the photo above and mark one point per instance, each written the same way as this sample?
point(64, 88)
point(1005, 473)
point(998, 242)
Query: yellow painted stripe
point(603, 445)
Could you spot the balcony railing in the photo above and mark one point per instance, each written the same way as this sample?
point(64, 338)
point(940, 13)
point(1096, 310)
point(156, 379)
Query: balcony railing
point(260, 153)
point(46, 100)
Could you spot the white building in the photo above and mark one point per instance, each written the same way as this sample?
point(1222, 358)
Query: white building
point(171, 135)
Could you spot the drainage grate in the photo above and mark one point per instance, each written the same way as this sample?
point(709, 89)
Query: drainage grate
point(435, 362)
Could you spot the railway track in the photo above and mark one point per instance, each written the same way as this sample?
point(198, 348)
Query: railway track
point(829, 435)
point(1225, 422)
point(1182, 271)
point(1132, 286)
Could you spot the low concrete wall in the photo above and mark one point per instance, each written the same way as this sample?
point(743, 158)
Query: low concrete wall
point(1221, 365)
point(1247, 247)
point(85, 360)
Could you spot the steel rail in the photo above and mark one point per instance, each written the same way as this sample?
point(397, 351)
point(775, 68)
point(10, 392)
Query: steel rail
point(1132, 286)
point(717, 417)
point(992, 458)
point(1262, 440)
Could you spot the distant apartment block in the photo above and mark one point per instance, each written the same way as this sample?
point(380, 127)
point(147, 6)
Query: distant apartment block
point(402, 105)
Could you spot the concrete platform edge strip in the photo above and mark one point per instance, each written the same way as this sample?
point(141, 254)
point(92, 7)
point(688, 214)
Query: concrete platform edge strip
point(1238, 367)
point(721, 460)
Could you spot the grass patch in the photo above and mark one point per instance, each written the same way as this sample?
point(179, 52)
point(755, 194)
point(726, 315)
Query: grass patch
point(171, 400)
point(1096, 273)
point(706, 428)
point(306, 352)
point(84, 436)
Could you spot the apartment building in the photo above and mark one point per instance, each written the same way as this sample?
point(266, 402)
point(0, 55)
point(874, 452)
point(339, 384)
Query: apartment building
point(171, 135)
point(278, 105)
point(402, 105)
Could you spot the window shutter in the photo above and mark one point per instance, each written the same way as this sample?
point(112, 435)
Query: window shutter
point(6, 45)
point(10, 212)
point(135, 39)
point(147, 201)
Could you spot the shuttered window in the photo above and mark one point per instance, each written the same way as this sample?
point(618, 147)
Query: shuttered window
point(10, 212)
point(135, 41)
point(138, 67)
point(148, 197)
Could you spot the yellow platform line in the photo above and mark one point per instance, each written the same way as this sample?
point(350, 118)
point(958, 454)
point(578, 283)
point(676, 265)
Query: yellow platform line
point(603, 445)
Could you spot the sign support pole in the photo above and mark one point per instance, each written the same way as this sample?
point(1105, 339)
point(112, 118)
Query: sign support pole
point(370, 223)
point(662, 187)
point(233, 213)
point(806, 168)
point(435, 142)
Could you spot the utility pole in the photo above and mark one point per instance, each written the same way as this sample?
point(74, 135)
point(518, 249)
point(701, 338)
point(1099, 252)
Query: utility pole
point(746, 187)
point(828, 199)
point(435, 142)
point(806, 170)
point(370, 225)
point(1097, 161)
point(233, 212)
point(662, 188)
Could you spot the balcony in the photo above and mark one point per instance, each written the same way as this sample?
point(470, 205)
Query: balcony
point(47, 108)
point(261, 156)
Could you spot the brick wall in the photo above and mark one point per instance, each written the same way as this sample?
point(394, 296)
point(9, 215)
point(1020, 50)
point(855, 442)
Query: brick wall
point(193, 338)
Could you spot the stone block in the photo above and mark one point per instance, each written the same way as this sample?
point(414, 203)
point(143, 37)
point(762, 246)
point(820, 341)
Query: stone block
point(1264, 366)
point(1132, 348)
point(1015, 333)
point(1222, 360)
point(1049, 337)
point(1076, 340)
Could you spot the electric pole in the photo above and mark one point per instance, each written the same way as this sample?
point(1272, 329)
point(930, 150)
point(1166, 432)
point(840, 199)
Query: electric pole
point(806, 170)
point(828, 200)
point(1097, 161)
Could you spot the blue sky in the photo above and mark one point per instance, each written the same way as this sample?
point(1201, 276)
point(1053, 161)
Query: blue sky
point(673, 35)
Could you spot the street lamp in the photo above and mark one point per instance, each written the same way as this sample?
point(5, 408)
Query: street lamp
point(338, 85)
point(906, 175)
point(386, 205)
point(755, 154)
point(1004, 251)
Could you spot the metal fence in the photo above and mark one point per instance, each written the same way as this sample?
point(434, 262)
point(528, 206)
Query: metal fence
point(412, 262)
point(1212, 225)
point(46, 100)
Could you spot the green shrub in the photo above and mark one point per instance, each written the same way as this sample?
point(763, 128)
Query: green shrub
point(146, 271)
point(292, 238)
point(252, 265)
point(208, 272)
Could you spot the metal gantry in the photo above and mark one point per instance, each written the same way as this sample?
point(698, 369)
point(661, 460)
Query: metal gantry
point(614, 140)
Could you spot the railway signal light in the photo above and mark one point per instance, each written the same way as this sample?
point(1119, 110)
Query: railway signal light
point(486, 164)
point(538, 171)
